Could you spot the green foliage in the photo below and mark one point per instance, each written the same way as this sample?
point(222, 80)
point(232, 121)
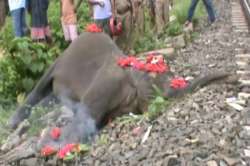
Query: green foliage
point(83, 16)
point(5, 112)
point(6, 33)
point(25, 61)
point(174, 28)
point(23, 64)
point(55, 25)
point(128, 119)
point(156, 107)
point(103, 139)
point(180, 10)
point(148, 42)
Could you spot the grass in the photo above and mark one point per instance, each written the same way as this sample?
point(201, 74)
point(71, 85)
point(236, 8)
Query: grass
point(180, 11)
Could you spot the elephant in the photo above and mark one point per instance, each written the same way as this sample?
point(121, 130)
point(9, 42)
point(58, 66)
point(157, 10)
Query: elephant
point(98, 89)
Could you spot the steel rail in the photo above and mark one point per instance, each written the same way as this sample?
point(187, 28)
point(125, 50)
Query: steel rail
point(245, 4)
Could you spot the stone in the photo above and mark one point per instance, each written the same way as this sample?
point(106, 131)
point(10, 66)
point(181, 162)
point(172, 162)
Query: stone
point(165, 51)
point(247, 152)
point(222, 163)
point(212, 163)
point(29, 162)
point(179, 41)
point(15, 138)
point(231, 161)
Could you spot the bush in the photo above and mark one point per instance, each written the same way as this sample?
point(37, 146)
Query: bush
point(148, 42)
point(174, 28)
point(22, 65)
point(24, 61)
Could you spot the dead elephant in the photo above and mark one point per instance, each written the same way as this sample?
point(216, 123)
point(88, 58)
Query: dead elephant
point(87, 74)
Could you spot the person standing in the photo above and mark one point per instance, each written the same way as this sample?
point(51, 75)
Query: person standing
point(102, 12)
point(68, 20)
point(40, 31)
point(17, 10)
point(209, 7)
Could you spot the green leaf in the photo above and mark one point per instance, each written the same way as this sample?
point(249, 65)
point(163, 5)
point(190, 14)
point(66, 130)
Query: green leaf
point(40, 66)
point(26, 59)
point(159, 100)
point(33, 67)
point(157, 90)
point(69, 157)
point(27, 83)
point(84, 147)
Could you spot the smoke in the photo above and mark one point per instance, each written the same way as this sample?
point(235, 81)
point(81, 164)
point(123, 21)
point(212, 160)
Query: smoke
point(77, 126)
point(82, 127)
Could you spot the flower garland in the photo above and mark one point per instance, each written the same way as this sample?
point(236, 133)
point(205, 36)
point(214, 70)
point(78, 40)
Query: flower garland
point(93, 28)
point(66, 152)
point(153, 63)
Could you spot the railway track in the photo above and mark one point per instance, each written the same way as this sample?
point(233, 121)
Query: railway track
point(241, 24)
point(239, 16)
point(245, 4)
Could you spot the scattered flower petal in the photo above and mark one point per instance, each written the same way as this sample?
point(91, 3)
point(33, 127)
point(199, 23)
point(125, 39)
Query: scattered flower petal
point(178, 83)
point(55, 133)
point(47, 151)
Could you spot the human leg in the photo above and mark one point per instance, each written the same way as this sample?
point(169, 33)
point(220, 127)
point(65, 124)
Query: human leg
point(17, 22)
point(23, 22)
point(192, 9)
point(210, 10)
point(73, 32)
point(66, 32)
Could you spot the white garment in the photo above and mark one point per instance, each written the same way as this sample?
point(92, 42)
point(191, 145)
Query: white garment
point(102, 12)
point(16, 4)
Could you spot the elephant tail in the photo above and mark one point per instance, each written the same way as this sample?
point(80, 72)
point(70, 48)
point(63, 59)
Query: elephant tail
point(196, 83)
point(42, 89)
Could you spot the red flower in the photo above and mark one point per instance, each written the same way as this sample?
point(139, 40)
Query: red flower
point(55, 133)
point(126, 61)
point(149, 58)
point(149, 67)
point(139, 65)
point(154, 63)
point(93, 28)
point(162, 68)
point(66, 150)
point(178, 83)
point(47, 150)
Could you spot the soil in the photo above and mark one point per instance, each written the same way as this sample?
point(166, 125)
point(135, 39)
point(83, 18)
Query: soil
point(198, 129)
